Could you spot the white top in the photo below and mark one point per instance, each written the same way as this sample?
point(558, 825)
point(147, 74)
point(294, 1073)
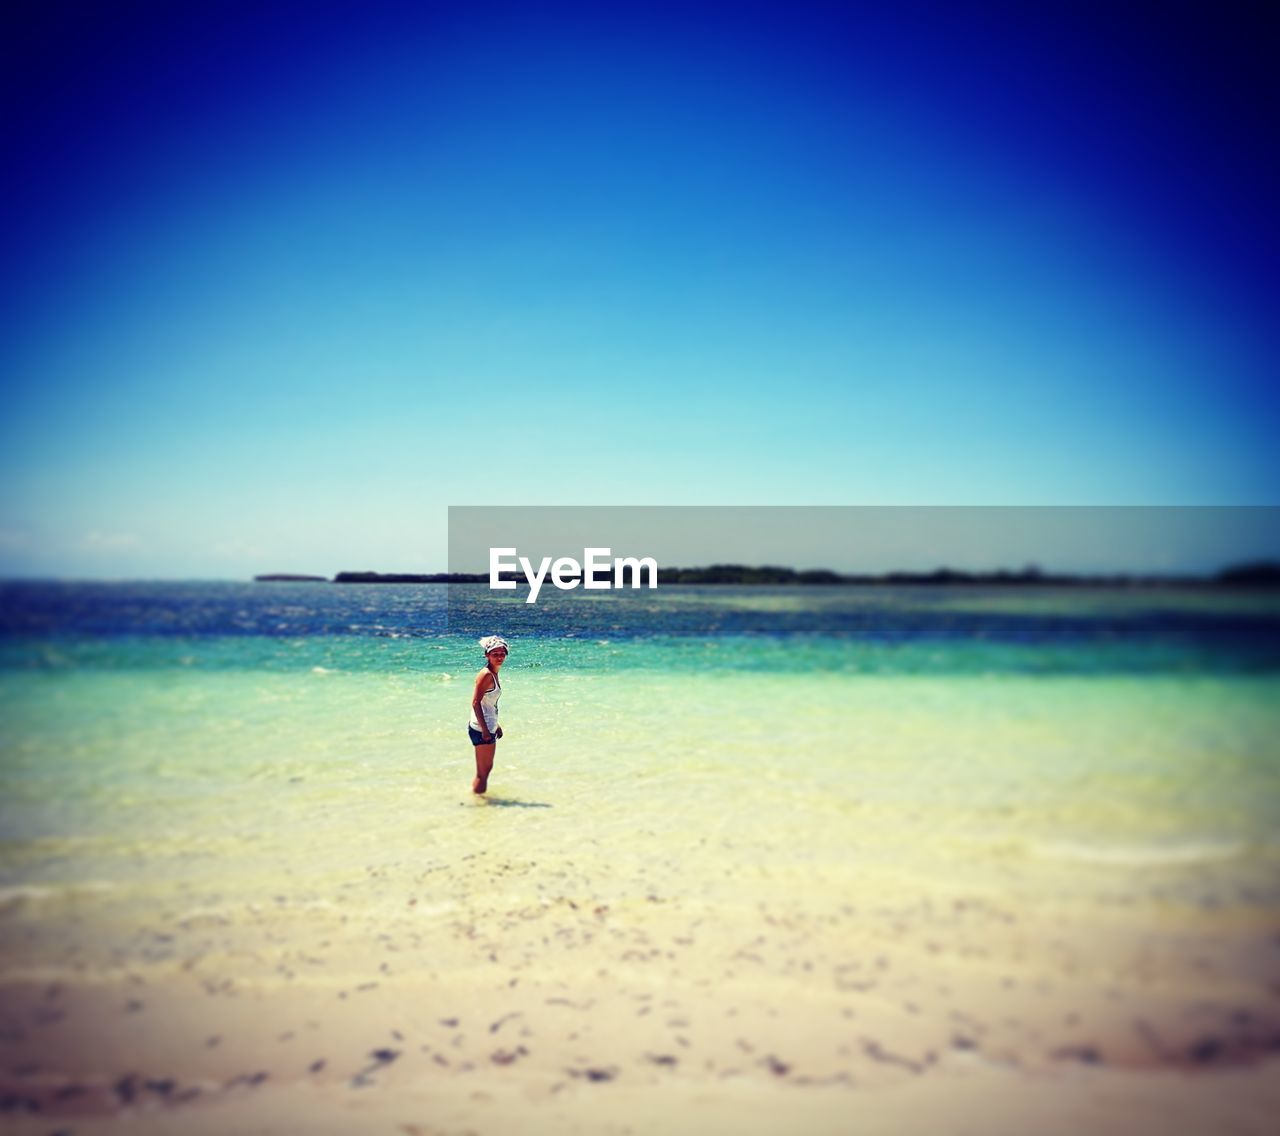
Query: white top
point(488, 706)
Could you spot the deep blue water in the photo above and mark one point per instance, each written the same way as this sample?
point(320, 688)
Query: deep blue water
point(935, 629)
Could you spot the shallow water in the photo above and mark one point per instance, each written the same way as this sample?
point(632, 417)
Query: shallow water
point(228, 743)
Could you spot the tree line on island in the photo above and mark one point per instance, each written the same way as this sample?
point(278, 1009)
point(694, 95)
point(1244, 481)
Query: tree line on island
point(1256, 574)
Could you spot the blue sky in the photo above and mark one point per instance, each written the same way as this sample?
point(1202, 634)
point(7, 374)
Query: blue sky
point(283, 282)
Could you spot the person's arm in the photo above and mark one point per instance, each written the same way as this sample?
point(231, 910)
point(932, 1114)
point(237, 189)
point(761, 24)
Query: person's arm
point(483, 681)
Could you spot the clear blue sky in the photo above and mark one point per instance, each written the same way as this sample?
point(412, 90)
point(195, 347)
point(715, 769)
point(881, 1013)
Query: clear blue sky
point(281, 283)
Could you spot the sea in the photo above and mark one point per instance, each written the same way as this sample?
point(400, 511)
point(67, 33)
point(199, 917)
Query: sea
point(225, 746)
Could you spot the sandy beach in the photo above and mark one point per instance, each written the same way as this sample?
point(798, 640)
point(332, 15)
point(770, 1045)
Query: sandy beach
point(522, 1002)
point(244, 887)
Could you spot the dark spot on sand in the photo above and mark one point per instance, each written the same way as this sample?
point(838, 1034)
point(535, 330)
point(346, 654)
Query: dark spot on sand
point(385, 1056)
point(962, 1042)
point(210, 1042)
point(12, 1102)
point(594, 1074)
point(127, 1088)
point(776, 1067)
point(1205, 1050)
point(163, 1086)
point(1086, 1054)
point(316, 1066)
point(664, 1059)
point(876, 1052)
point(450, 1022)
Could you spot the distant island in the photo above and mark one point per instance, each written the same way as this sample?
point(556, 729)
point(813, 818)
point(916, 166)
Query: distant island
point(1265, 574)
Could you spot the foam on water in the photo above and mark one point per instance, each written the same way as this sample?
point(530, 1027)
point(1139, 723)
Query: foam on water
point(1139, 856)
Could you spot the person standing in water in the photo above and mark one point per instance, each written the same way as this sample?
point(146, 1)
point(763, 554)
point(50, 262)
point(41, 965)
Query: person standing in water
point(483, 730)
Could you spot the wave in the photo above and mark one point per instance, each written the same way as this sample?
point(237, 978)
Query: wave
point(1140, 856)
point(15, 894)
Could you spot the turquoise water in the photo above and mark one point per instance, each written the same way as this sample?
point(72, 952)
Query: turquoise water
point(1070, 748)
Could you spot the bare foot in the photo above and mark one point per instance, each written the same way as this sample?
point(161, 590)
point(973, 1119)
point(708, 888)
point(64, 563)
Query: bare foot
point(478, 786)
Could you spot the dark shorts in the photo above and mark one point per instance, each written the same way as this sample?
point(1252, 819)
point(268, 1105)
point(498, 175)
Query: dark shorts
point(477, 739)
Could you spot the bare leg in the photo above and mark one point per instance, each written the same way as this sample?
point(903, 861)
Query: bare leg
point(484, 766)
